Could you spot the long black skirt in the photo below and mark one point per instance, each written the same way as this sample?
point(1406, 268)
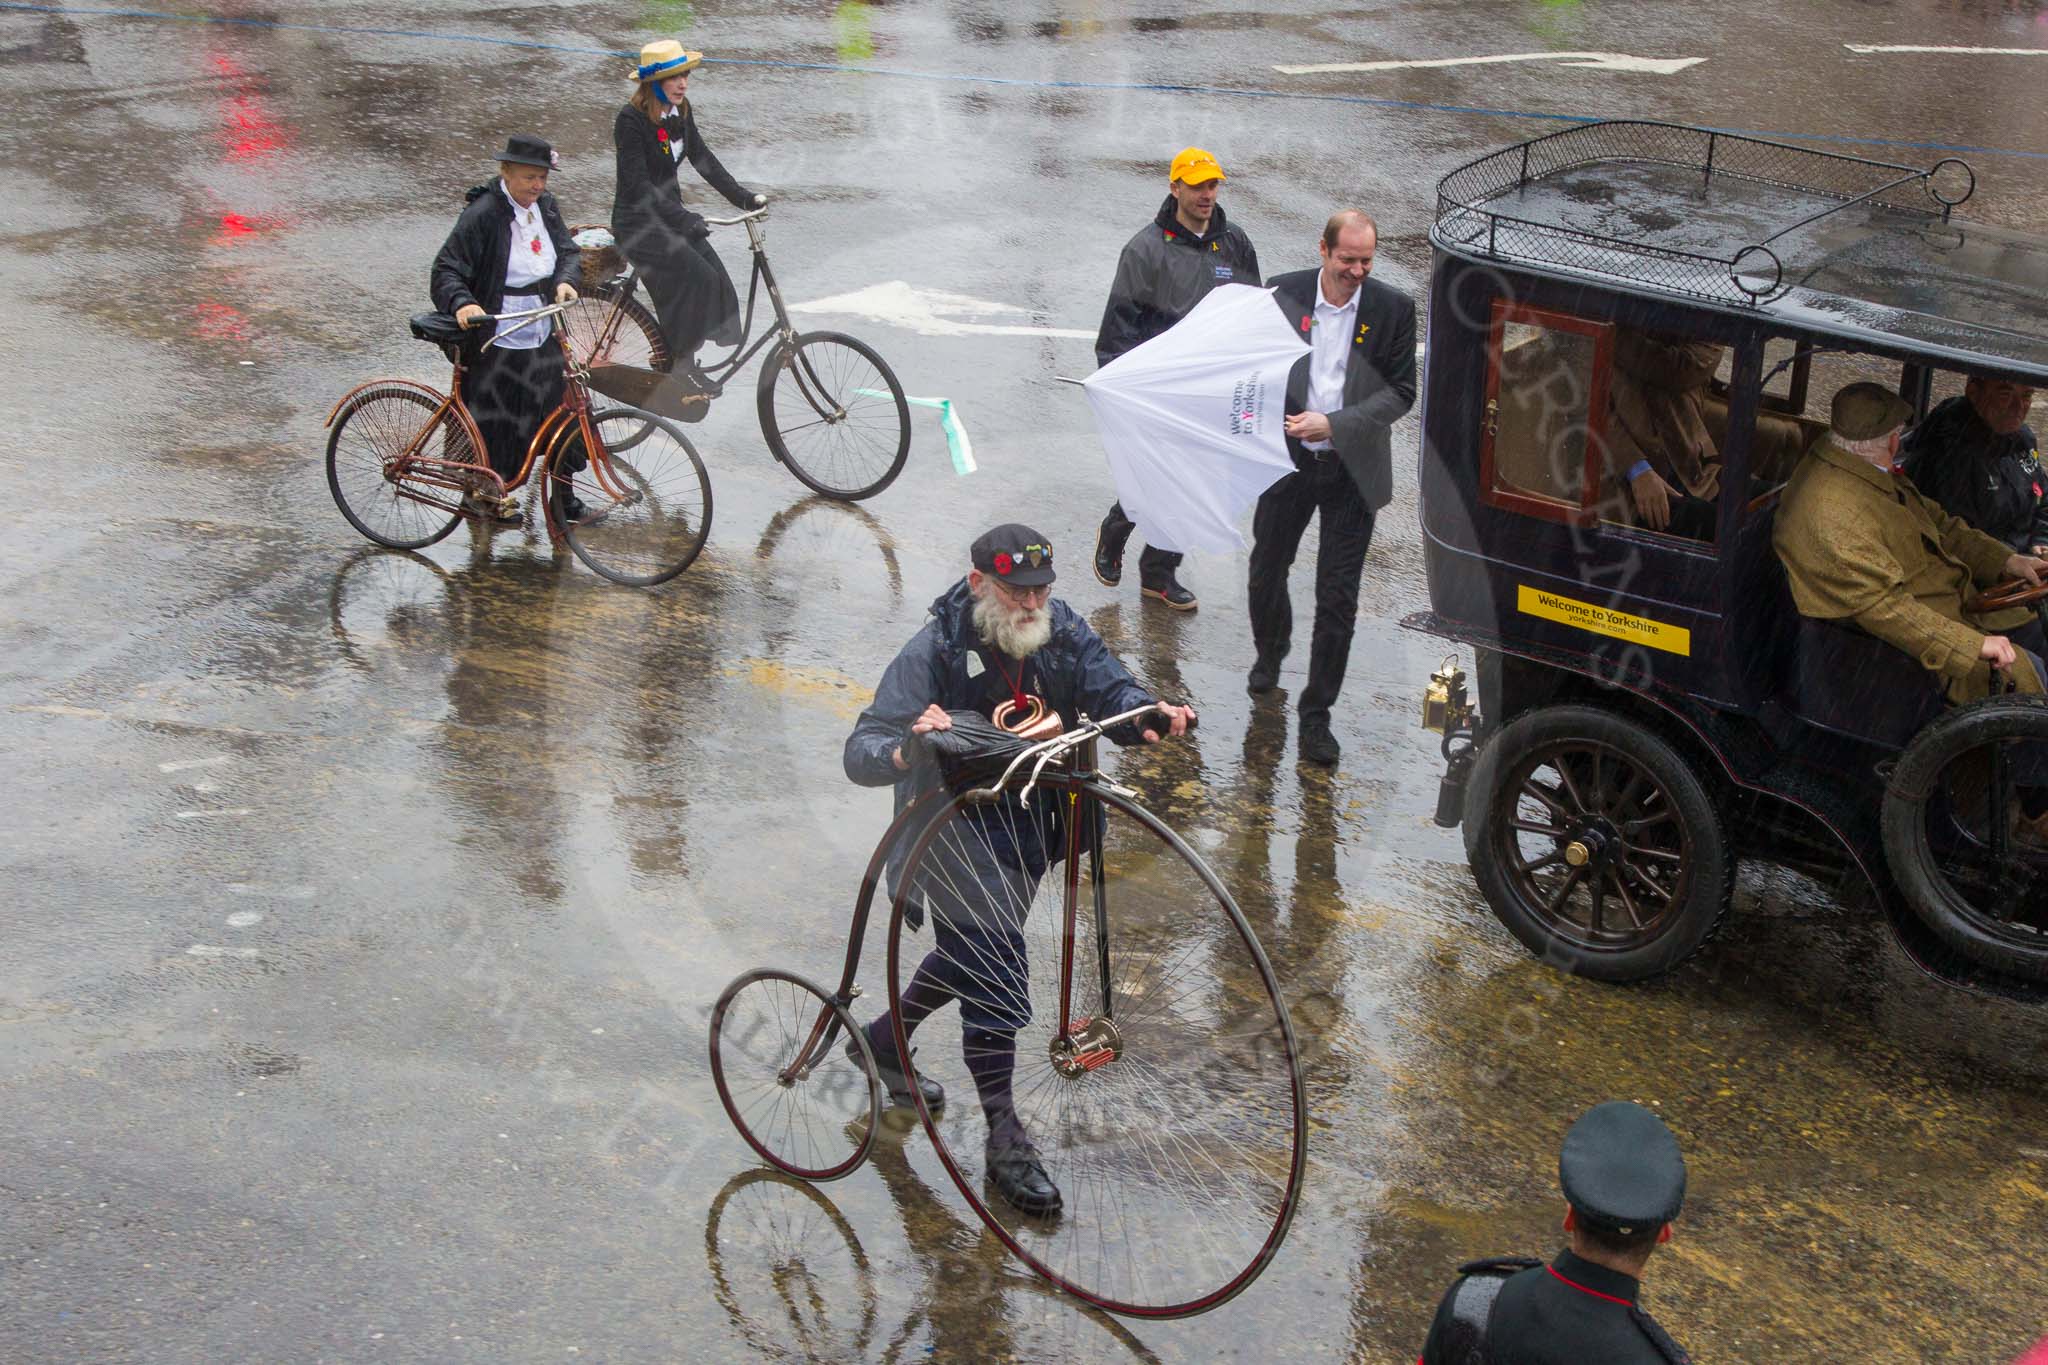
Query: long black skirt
point(509, 392)
point(693, 296)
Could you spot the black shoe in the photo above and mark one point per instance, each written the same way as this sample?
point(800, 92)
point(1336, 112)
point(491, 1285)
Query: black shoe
point(893, 1079)
point(1109, 552)
point(570, 508)
point(1318, 745)
point(1020, 1178)
point(1170, 592)
point(1264, 677)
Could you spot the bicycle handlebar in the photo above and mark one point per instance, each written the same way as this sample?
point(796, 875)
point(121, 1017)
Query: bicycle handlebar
point(546, 311)
point(1045, 751)
point(748, 216)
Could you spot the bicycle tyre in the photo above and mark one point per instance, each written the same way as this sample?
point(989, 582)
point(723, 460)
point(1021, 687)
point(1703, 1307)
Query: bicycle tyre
point(649, 515)
point(1180, 1157)
point(799, 1128)
point(367, 437)
point(856, 450)
point(637, 340)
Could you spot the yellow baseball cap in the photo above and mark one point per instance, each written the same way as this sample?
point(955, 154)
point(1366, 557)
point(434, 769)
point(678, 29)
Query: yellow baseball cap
point(1194, 165)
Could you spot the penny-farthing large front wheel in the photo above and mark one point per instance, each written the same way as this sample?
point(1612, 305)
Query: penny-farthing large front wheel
point(1169, 1108)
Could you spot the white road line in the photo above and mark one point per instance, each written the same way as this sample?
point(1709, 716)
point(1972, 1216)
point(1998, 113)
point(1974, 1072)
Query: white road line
point(210, 950)
point(288, 893)
point(1584, 61)
point(1867, 48)
point(180, 765)
point(209, 814)
point(934, 313)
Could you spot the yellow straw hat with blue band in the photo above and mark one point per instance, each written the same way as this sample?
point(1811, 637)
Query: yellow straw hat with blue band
point(660, 60)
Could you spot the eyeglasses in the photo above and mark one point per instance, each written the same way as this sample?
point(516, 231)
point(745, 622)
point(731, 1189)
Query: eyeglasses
point(1016, 592)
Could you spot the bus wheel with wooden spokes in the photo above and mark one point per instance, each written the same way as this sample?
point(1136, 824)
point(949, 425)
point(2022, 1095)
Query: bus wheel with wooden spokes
point(1959, 838)
point(1596, 844)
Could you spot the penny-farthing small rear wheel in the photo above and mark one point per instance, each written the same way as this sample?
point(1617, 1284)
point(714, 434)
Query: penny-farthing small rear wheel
point(778, 1057)
point(1169, 1109)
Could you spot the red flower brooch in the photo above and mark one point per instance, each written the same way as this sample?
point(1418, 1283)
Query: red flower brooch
point(662, 133)
point(1004, 564)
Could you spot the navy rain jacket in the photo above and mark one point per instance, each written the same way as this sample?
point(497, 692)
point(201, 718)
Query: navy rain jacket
point(1073, 673)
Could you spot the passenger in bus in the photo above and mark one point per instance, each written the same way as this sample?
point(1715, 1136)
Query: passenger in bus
point(1977, 457)
point(1861, 544)
point(1666, 428)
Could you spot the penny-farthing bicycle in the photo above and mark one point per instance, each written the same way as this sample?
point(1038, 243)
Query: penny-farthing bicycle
point(1158, 1073)
point(831, 409)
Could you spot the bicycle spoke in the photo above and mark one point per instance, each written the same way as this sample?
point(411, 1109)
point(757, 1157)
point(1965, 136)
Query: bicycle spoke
point(1175, 1157)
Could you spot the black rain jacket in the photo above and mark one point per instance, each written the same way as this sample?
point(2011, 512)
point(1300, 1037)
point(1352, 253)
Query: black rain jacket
point(1993, 482)
point(1164, 272)
point(470, 267)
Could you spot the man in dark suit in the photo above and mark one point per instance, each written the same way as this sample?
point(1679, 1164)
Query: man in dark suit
point(1342, 397)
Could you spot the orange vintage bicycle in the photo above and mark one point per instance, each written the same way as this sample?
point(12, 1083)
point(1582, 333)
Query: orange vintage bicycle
point(401, 456)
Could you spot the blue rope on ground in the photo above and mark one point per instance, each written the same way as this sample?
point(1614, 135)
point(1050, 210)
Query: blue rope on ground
point(1369, 101)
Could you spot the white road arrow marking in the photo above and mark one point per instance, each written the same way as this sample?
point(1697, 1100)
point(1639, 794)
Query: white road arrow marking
point(1589, 61)
point(933, 313)
point(1867, 48)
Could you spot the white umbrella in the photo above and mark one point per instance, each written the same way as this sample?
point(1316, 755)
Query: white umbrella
point(1191, 419)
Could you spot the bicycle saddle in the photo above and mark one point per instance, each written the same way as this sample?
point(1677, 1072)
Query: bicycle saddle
point(440, 328)
point(971, 754)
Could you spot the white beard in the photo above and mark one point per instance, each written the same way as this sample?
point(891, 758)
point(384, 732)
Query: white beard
point(996, 626)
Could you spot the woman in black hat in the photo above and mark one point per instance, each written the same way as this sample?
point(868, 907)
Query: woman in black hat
point(668, 244)
point(510, 251)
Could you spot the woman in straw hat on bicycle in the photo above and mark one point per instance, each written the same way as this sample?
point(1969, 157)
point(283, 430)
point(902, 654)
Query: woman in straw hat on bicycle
point(510, 252)
point(668, 244)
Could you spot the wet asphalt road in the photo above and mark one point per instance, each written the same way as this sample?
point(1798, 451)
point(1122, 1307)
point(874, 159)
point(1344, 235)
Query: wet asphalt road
point(366, 910)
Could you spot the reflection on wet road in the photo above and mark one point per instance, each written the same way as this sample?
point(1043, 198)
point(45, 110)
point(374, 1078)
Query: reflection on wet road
point(369, 908)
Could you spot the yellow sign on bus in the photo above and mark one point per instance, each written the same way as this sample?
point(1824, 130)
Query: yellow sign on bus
point(1603, 620)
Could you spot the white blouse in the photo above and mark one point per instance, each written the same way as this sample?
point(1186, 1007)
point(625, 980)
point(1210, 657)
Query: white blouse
point(531, 262)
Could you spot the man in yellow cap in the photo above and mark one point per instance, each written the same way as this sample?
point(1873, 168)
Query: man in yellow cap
point(1187, 249)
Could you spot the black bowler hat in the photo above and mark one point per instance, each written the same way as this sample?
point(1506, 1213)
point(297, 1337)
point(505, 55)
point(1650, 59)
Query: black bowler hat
point(529, 151)
point(1015, 554)
point(1621, 1169)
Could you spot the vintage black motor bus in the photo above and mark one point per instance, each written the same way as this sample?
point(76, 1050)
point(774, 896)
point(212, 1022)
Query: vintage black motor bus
point(1649, 706)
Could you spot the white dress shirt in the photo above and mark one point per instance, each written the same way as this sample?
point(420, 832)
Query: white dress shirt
point(1330, 343)
point(531, 262)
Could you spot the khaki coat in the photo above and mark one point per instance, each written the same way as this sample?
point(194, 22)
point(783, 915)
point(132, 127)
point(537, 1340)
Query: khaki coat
point(1862, 544)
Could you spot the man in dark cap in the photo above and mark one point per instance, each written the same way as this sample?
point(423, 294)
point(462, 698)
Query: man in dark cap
point(1976, 456)
point(996, 636)
point(1623, 1181)
point(1863, 546)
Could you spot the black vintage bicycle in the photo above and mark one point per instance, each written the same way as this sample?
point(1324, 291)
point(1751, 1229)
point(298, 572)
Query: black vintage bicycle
point(831, 408)
point(1157, 1073)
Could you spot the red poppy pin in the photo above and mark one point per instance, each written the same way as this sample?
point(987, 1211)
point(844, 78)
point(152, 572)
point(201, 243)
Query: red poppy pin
point(1307, 321)
point(662, 133)
point(1004, 564)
